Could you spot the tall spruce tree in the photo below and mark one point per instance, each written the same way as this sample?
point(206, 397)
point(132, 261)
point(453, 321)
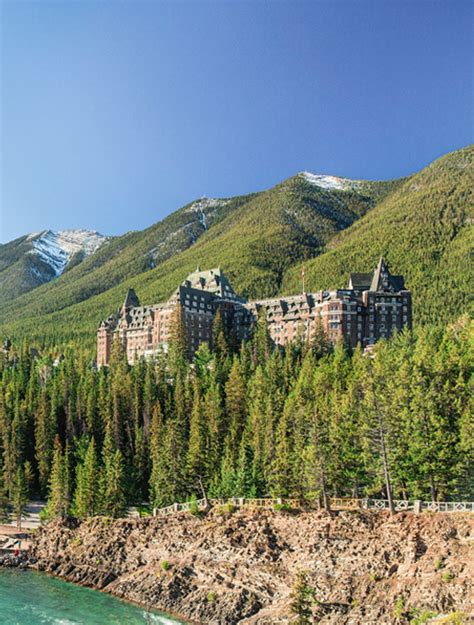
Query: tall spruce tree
point(87, 495)
point(59, 499)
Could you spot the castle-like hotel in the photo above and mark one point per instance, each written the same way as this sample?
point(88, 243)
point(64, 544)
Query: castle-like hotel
point(371, 307)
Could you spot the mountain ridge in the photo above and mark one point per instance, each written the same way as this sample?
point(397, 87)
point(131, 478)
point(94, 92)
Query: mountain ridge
point(262, 239)
point(39, 257)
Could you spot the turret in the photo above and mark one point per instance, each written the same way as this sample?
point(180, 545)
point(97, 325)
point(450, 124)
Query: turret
point(131, 300)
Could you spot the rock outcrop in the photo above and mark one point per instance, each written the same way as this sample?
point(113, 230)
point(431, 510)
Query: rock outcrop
point(365, 567)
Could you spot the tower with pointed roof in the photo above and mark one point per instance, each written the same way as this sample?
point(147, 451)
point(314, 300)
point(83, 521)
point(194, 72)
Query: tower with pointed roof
point(131, 300)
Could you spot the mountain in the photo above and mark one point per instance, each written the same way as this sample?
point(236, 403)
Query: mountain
point(424, 229)
point(422, 224)
point(37, 258)
point(256, 238)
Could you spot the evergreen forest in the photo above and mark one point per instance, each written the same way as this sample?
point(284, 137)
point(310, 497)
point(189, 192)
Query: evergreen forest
point(309, 421)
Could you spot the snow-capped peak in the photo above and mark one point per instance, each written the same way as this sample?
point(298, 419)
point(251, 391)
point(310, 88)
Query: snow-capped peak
point(57, 247)
point(330, 182)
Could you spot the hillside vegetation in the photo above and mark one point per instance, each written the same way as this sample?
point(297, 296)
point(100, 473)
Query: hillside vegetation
point(421, 224)
point(423, 229)
point(255, 239)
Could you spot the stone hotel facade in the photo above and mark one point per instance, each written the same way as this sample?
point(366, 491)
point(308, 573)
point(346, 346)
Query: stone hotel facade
point(372, 306)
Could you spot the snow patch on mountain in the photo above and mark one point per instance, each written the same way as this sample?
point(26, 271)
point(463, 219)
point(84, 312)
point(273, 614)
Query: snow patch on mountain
point(331, 182)
point(34, 235)
point(56, 248)
point(205, 204)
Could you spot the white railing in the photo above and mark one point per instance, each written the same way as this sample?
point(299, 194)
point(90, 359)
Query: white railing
point(447, 506)
point(337, 503)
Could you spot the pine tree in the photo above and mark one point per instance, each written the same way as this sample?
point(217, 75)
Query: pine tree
point(9, 456)
point(114, 501)
point(262, 341)
point(213, 417)
point(156, 444)
point(226, 485)
point(244, 479)
point(87, 496)
point(220, 343)
point(318, 455)
point(43, 440)
point(59, 499)
point(235, 405)
point(381, 426)
point(204, 364)
point(302, 599)
point(281, 476)
point(197, 461)
point(149, 398)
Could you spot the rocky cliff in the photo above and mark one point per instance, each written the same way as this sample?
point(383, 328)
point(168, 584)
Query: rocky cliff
point(364, 568)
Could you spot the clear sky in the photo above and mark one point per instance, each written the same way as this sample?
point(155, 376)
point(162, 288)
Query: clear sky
point(115, 113)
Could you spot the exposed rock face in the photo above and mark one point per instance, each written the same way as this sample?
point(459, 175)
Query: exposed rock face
point(240, 568)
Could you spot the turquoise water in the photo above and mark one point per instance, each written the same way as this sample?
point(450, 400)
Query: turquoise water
point(29, 598)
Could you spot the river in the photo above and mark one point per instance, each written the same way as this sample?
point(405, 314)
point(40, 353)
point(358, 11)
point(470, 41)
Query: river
point(30, 598)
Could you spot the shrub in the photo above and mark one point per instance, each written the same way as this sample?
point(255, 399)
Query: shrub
point(447, 577)
point(144, 511)
point(282, 507)
point(302, 599)
point(455, 618)
point(211, 596)
point(165, 565)
point(439, 564)
point(194, 508)
point(418, 617)
point(227, 508)
point(399, 609)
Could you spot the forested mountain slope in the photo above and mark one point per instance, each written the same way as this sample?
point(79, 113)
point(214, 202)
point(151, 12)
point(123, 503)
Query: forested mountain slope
point(255, 238)
point(421, 224)
point(128, 255)
point(424, 229)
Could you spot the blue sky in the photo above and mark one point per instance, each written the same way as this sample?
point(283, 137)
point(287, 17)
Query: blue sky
point(114, 114)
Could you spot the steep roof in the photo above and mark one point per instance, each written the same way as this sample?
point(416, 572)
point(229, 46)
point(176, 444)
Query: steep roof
point(213, 281)
point(131, 299)
point(360, 281)
point(382, 280)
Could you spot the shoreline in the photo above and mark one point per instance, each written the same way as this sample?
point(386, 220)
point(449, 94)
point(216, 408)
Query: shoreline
point(25, 562)
point(147, 609)
point(137, 604)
